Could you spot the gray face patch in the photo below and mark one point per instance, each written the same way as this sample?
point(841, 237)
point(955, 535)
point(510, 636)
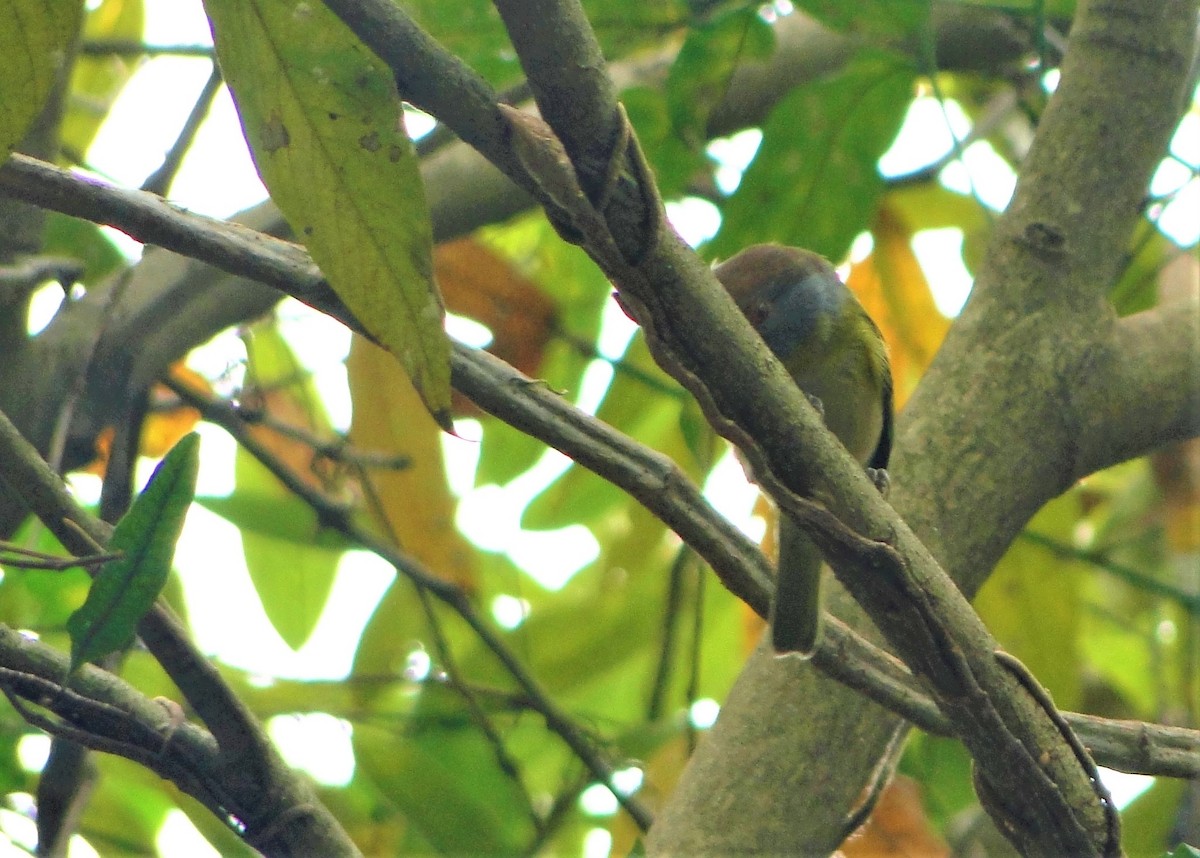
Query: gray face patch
point(791, 313)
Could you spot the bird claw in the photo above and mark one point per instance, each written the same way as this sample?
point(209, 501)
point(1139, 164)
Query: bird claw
point(879, 476)
point(817, 404)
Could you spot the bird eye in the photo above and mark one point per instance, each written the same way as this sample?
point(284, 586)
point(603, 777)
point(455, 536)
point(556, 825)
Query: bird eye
point(757, 312)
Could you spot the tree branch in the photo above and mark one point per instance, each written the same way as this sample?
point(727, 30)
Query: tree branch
point(988, 438)
point(1032, 776)
point(104, 713)
point(261, 787)
point(644, 474)
point(1152, 392)
point(338, 517)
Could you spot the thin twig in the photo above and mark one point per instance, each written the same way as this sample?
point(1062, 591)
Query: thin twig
point(338, 517)
point(256, 774)
point(453, 679)
point(453, 675)
point(20, 557)
point(337, 449)
point(160, 180)
point(671, 610)
point(133, 48)
point(1190, 602)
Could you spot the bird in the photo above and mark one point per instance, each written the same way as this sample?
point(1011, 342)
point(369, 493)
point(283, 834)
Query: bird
point(836, 355)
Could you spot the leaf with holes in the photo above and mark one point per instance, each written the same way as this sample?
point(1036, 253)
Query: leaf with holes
point(125, 589)
point(325, 124)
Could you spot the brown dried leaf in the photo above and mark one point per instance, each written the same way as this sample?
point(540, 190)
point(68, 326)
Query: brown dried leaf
point(481, 284)
point(898, 827)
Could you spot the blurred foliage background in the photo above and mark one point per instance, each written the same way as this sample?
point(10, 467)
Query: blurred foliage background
point(425, 742)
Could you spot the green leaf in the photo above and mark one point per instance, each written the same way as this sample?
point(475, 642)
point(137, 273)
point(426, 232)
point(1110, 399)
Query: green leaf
point(622, 597)
point(262, 509)
point(324, 123)
point(880, 19)
point(398, 623)
point(700, 76)
point(13, 776)
point(83, 240)
point(1137, 287)
point(126, 810)
point(815, 181)
point(943, 768)
point(39, 599)
point(292, 580)
point(292, 560)
point(125, 589)
point(444, 779)
point(636, 406)
point(1038, 617)
point(472, 30)
point(96, 81)
point(1146, 822)
point(929, 205)
point(35, 42)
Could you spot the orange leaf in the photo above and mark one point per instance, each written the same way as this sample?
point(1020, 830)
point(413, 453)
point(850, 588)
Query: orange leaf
point(416, 501)
point(897, 827)
point(892, 287)
point(162, 429)
point(481, 284)
point(103, 445)
point(285, 406)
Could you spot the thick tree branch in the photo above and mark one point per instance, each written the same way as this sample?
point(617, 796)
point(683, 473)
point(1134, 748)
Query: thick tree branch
point(105, 713)
point(987, 439)
point(1152, 392)
point(1038, 311)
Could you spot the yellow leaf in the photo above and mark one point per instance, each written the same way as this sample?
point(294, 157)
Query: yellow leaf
point(892, 287)
point(416, 501)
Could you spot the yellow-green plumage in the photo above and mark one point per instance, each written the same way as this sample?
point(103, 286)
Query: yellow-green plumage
point(833, 350)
